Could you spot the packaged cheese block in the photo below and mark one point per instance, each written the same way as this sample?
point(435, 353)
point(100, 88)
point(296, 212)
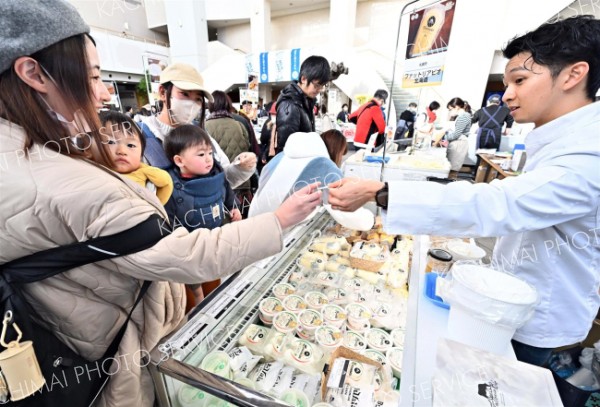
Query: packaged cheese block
point(344, 260)
point(311, 263)
point(349, 396)
point(307, 384)
point(242, 361)
point(265, 375)
point(282, 382)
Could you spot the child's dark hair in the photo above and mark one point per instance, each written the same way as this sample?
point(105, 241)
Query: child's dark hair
point(556, 45)
point(434, 105)
point(125, 125)
point(184, 137)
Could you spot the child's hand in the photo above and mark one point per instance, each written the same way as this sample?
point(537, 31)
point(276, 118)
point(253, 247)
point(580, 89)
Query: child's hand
point(235, 215)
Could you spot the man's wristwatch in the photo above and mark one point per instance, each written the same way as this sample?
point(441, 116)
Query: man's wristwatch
point(381, 197)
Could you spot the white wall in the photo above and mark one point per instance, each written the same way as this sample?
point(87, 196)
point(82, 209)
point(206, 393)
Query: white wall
point(112, 16)
point(124, 55)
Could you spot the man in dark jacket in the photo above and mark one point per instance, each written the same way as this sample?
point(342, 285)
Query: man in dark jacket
point(490, 120)
point(297, 100)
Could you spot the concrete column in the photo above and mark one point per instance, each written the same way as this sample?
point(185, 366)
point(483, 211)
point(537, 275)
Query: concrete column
point(342, 23)
point(188, 34)
point(260, 26)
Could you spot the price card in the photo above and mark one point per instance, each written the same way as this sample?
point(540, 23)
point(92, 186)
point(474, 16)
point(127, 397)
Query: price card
point(221, 305)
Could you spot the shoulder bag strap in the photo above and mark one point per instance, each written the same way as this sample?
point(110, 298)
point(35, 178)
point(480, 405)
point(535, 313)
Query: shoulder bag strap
point(47, 263)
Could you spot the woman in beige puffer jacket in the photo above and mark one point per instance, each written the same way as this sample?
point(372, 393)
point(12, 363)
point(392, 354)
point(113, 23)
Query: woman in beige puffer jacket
point(53, 194)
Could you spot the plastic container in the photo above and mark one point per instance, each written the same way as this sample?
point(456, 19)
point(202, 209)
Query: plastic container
point(282, 290)
point(329, 338)
point(358, 315)
point(334, 315)
point(361, 329)
point(244, 381)
point(189, 396)
point(295, 397)
point(398, 335)
point(304, 356)
point(487, 306)
point(376, 355)
point(218, 363)
point(316, 299)
point(438, 261)
point(285, 322)
point(379, 340)
point(354, 341)
point(268, 307)
point(395, 356)
point(294, 303)
point(337, 295)
point(461, 250)
point(309, 320)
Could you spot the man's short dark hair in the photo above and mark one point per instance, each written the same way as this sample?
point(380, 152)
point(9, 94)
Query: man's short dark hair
point(315, 68)
point(556, 45)
point(381, 94)
point(412, 104)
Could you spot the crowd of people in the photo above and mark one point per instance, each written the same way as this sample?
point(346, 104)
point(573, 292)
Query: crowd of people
point(70, 174)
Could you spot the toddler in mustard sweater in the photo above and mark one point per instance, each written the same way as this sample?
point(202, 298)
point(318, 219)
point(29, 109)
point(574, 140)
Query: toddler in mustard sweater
point(126, 145)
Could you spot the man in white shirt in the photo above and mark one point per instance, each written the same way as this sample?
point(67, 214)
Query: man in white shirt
point(548, 218)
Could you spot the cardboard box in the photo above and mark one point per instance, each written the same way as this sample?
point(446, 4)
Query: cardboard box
point(345, 353)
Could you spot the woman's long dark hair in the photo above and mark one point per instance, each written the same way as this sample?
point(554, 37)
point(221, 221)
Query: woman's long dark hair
point(67, 62)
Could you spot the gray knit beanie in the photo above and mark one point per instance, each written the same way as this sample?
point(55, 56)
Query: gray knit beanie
point(28, 26)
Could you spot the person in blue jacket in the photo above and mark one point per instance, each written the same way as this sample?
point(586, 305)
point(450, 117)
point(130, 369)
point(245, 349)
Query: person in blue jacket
point(201, 194)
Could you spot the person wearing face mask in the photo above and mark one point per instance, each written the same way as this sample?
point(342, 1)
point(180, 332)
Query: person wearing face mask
point(406, 123)
point(184, 101)
point(55, 193)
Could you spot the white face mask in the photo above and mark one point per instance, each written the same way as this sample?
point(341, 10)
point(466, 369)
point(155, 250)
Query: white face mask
point(183, 111)
point(76, 126)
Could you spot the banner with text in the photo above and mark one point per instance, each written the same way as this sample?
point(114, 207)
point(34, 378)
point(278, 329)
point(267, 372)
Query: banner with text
point(428, 38)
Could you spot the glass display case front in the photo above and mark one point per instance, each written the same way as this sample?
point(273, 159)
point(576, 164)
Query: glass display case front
point(254, 324)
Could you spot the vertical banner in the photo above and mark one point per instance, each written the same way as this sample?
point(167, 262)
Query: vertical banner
point(264, 67)
point(153, 66)
point(428, 38)
point(295, 68)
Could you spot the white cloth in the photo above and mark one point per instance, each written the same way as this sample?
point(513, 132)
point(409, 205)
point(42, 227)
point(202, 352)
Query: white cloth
point(236, 175)
point(548, 219)
point(281, 174)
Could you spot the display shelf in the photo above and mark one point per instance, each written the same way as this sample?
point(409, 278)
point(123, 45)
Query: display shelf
point(426, 324)
point(217, 323)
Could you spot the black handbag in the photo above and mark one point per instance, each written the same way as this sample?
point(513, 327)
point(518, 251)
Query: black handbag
point(71, 380)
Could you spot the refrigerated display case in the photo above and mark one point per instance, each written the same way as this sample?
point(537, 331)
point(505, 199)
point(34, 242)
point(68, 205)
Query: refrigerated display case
point(217, 324)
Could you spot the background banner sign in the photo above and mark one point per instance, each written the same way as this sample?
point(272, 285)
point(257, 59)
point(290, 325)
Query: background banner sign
point(295, 71)
point(428, 38)
point(153, 66)
point(264, 67)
